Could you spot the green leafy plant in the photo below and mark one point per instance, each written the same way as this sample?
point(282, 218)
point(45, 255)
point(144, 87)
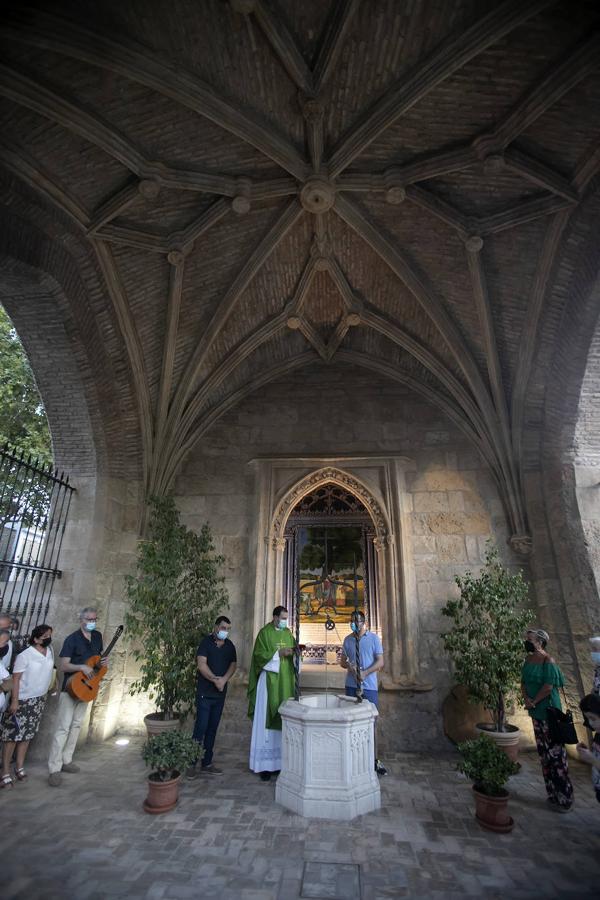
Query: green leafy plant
point(23, 422)
point(174, 599)
point(169, 753)
point(486, 765)
point(486, 640)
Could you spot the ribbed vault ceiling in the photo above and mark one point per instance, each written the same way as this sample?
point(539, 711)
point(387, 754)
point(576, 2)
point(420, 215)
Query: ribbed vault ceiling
point(262, 183)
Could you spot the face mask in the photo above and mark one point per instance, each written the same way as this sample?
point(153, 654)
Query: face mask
point(90, 626)
point(529, 647)
point(282, 624)
point(46, 642)
point(222, 635)
point(595, 657)
point(353, 626)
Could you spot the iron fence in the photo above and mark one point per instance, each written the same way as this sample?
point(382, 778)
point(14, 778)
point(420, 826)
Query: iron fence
point(34, 505)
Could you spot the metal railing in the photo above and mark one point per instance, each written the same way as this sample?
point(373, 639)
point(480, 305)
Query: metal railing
point(34, 505)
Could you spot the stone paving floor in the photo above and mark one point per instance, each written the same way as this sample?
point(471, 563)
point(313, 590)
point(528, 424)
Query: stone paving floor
point(227, 839)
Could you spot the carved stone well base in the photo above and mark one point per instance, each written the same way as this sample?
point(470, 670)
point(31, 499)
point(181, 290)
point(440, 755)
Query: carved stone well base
point(328, 757)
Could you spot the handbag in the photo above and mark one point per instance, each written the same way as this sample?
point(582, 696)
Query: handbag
point(560, 724)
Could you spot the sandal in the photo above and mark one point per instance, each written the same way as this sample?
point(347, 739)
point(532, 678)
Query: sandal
point(6, 781)
point(21, 774)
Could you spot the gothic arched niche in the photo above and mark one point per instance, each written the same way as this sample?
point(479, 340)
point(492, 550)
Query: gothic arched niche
point(329, 568)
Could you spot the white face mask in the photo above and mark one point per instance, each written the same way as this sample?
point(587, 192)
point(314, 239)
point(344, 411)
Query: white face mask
point(222, 635)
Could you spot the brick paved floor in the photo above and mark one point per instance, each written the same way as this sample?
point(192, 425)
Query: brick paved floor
point(227, 839)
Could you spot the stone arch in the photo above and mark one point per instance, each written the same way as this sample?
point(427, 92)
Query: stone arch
point(335, 475)
point(32, 299)
point(559, 453)
point(49, 288)
point(379, 483)
point(54, 294)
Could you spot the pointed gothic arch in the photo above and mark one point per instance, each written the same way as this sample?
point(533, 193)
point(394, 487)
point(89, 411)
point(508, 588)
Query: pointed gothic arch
point(379, 484)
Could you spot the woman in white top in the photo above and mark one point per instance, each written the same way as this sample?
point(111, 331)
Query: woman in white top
point(32, 675)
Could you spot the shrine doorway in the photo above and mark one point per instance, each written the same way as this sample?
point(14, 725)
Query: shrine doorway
point(329, 570)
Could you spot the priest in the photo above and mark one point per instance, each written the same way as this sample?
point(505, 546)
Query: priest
point(270, 682)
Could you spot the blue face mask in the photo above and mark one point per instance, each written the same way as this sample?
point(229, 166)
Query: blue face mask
point(222, 635)
point(282, 624)
point(353, 626)
point(90, 626)
point(596, 657)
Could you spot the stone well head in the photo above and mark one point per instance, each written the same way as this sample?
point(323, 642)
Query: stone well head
point(328, 766)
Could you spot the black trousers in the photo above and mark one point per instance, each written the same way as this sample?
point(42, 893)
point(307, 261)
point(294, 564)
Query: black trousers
point(208, 715)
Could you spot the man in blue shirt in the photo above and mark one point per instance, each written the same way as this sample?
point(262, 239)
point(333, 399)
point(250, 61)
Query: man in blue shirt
point(370, 661)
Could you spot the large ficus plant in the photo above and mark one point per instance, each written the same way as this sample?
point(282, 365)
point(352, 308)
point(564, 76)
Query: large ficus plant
point(174, 598)
point(485, 642)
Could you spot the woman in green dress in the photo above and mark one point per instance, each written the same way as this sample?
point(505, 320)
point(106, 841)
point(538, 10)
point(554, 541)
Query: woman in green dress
point(540, 680)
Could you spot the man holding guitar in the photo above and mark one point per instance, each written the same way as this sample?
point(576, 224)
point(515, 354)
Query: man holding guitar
point(78, 647)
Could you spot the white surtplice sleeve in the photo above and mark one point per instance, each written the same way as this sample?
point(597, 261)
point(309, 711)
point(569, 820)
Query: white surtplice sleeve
point(273, 664)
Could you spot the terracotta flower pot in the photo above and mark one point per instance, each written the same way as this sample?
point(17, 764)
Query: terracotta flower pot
point(508, 740)
point(492, 812)
point(162, 795)
point(155, 724)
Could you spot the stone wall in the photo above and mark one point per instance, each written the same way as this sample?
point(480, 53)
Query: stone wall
point(98, 550)
point(451, 497)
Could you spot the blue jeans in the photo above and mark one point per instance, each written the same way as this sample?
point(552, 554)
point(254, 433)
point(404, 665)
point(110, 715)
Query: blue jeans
point(208, 716)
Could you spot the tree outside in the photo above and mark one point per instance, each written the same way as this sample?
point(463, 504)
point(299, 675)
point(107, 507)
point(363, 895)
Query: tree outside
point(23, 422)
point(24, 428)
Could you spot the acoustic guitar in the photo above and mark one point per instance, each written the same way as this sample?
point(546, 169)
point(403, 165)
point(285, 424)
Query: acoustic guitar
point(85, 687)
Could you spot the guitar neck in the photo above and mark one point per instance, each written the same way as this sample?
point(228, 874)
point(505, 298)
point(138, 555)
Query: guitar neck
point(113, 642)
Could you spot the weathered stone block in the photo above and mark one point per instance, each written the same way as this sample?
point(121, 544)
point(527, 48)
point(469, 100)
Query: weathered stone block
point(430, 502)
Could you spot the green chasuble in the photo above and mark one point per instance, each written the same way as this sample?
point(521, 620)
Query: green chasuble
point(280, 685)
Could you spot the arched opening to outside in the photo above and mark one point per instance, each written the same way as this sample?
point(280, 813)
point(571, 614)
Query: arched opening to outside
point(329, 570)
point(34, 500)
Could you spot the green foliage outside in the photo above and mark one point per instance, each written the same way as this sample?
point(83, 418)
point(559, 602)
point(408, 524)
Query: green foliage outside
point(24, 427)
point(169, 753)
point(488, 767)
point(174, 599)
point(23, 422)
point(486, 640)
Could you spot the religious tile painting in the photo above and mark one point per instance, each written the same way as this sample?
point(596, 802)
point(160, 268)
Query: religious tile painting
point(331, 575)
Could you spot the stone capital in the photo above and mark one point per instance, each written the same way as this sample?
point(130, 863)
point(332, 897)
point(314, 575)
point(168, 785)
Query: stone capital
point(521, 544)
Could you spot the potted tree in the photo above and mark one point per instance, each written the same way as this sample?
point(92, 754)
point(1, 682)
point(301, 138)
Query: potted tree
point(489, 768)
point(486, 643)
point(167, 754)
point(174, 598)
